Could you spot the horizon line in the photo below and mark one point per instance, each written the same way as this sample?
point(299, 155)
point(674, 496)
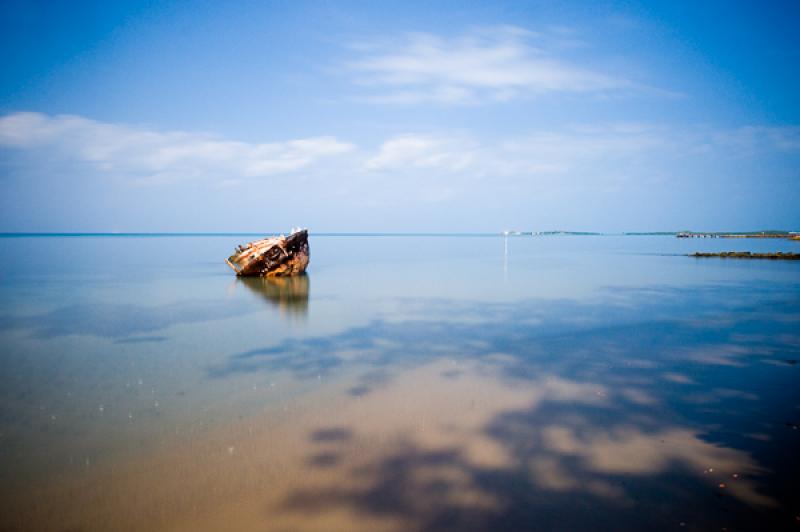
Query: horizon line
point(321, 233)
point(553, 232)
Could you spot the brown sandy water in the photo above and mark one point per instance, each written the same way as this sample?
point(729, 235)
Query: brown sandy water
point(333, 461)
point(255, 474)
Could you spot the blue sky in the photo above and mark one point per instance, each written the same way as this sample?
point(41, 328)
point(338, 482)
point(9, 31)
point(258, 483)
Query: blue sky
point(399, 116)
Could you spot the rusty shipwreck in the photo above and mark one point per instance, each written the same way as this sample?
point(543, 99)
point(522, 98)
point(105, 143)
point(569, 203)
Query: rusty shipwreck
point(278, 256)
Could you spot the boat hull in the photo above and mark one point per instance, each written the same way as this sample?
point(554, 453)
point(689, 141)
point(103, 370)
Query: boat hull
point(272, 257)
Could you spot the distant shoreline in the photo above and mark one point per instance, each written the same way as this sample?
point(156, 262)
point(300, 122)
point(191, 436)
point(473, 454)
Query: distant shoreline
point(759, 234)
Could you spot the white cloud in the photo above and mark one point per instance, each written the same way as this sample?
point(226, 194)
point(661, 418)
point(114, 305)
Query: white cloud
point(591, 154)
point(492, 64)
point(423, 152)
point(434, 167)
point(539, 154)
point(155, 155)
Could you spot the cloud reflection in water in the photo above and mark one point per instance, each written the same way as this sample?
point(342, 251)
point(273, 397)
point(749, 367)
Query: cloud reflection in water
point(588, 414)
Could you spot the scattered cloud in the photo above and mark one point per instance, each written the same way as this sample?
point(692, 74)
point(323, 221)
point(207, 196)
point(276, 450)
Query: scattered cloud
point(147, 154)
point(490, 64)
point(535, 154)
point(424, 152)
point(576, 147)
point(433, 167)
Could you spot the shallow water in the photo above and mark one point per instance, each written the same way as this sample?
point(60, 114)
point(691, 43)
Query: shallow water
point(405, 383)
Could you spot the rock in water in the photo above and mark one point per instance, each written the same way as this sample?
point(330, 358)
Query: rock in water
point(272, 257)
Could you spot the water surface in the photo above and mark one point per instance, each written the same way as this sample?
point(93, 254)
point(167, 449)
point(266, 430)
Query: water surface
point(405, 383)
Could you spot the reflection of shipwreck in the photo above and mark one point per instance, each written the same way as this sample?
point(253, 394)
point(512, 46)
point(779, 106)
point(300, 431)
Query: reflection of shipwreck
point(290, 294)
point(272, 257)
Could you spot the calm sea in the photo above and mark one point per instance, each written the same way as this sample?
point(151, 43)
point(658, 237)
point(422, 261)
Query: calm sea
point(405, 383)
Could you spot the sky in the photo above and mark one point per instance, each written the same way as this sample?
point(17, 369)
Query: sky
point(463, 116)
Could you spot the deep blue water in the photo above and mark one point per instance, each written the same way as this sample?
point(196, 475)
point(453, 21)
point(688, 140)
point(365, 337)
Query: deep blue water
point(643, 369)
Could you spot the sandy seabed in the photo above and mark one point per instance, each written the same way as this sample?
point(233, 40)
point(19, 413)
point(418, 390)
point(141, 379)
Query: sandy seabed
point(414, 450)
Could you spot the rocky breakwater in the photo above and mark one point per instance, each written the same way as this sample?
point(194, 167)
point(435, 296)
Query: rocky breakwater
point(748, 255)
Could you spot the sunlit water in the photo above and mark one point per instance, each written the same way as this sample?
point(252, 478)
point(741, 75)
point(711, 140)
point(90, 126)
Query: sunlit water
point(405, 383)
